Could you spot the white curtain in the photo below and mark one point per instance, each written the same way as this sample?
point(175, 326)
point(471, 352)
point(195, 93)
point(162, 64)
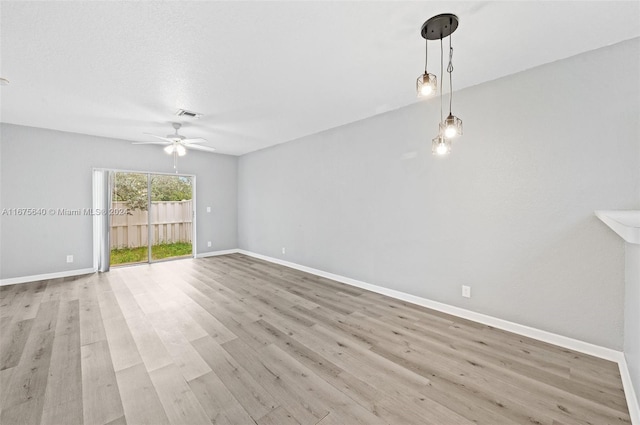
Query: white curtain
point(103, 181)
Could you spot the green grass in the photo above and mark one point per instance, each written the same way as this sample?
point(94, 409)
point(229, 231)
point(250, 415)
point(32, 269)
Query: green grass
point(158, 252)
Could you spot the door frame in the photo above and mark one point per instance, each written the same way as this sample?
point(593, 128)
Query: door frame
point(96, 231)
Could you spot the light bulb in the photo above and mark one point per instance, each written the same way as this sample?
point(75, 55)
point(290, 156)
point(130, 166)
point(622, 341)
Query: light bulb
point(426, 90)
point(440, 146)
point(181, 150)
point(169, 149)
point(450, 131)
point(441, 149)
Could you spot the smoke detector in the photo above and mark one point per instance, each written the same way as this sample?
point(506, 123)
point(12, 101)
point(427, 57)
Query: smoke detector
point(188, 114)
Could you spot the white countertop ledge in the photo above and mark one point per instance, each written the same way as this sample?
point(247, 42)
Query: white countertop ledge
point(625, 223)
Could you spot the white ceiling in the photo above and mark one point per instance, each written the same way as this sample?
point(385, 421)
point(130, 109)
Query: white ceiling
point(264, 73)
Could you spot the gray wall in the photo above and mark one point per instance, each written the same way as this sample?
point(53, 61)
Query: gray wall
point(510, 212)
point(632, 314)
point(52, 169)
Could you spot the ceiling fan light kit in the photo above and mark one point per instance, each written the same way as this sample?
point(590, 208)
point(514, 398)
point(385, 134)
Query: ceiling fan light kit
point(176, 148)
point(437, 28)
point(177, 145)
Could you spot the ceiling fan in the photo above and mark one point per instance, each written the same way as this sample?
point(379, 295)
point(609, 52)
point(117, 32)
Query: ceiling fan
point(176, 144)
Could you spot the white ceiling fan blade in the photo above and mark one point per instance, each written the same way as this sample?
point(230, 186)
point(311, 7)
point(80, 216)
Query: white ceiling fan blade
point(201, 148)
point(160, 137)
point(194, 140)
point(151, 143)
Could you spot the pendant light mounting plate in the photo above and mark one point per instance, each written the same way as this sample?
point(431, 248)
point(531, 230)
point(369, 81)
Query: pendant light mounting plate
point(439, 26)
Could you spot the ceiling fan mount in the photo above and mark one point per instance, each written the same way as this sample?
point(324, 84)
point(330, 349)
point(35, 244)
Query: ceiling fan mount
point(176, 126)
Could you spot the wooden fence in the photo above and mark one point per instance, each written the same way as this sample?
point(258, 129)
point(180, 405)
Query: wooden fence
point(171, 221)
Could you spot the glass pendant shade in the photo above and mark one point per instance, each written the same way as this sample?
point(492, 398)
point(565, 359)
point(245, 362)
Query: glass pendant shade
point(427, 85)
point(451, 127)
point(440, 146)
point(169, 149)
point(181, 150)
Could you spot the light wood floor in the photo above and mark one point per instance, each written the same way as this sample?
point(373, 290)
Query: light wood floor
point(235, 340)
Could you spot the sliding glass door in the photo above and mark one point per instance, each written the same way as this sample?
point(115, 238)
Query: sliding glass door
point(151, 217)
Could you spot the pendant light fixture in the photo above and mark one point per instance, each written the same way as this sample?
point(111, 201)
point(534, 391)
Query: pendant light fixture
point(426, 84)
point(437, 28)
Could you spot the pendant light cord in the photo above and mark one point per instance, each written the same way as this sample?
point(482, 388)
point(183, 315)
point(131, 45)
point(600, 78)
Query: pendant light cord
point(441, 73)
point(426, 54)
point(450, 70)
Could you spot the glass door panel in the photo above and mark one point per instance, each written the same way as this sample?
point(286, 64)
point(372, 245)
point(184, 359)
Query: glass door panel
point(171, 217)
point(129, 236)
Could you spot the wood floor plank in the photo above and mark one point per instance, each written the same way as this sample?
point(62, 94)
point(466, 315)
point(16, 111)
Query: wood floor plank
point(27, 412)
point(7, 294)
point(180, 403)
point(118, 421)
point(122, 286)
point(30, 302)
point(181, 350)
point(100, 395)
point(217, 401)
point(66, 412)
point(255, 399)
point(318, 389)
point(12, 343)
point(63, 395)
point(153, 352)
point(280, 387)
point(207, 323)
point(24, 398)
point(5, 385)
point(139, 398)
point(91, 326)
point(192, 328)
point(124, 352)
point(278, 416)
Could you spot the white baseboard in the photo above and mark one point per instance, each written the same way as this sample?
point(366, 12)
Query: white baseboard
point(216, 253)
point(551, 338)
point(629, 392)
point(36, 277)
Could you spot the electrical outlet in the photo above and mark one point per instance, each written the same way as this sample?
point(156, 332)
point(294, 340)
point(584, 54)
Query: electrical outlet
point(284, 251)
point(69, 258)
point(208, 209)
point(466, 291)
point(209, 244)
